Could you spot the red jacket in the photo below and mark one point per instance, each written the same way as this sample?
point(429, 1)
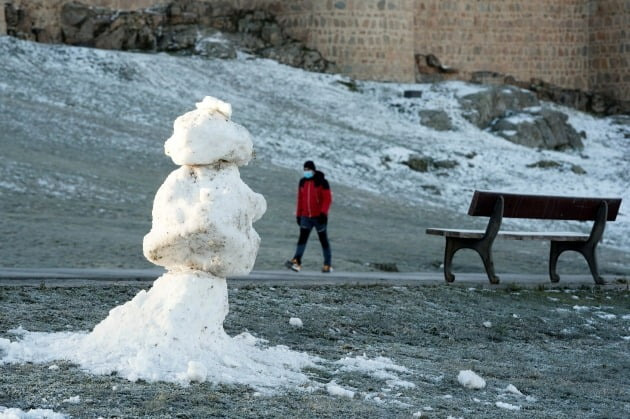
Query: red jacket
point(314, 196)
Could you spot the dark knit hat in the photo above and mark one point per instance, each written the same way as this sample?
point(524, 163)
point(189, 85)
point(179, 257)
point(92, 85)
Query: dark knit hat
point(309, 165)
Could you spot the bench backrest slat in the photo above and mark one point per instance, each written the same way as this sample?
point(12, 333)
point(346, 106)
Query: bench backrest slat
point(542, 207)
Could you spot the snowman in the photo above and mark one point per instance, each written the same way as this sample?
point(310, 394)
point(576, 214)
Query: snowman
point(202, 233)
point(203, 213)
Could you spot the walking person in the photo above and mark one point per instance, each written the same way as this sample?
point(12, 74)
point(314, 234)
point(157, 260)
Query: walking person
point(313, 202)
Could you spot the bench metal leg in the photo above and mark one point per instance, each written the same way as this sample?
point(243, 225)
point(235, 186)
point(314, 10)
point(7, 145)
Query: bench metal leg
point(482, 247)
point(449, 251)
point(586, 249)
point(554, 252)
point(591, 259)
point(486, 256)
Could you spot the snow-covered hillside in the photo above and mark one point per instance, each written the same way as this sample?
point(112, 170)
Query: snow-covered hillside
point(360, 138)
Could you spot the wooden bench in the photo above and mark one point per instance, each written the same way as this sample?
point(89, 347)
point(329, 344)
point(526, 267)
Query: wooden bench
point(497, 205)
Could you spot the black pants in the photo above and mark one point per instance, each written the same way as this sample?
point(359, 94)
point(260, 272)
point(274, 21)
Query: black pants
point(306, 225)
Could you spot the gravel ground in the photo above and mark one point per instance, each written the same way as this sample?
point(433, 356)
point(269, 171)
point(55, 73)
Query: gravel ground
point(563, 349)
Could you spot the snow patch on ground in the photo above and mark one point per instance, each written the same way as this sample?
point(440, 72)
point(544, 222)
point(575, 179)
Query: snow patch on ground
point(507, 406)
point(470, 379)
point(243, 359)
point(335, 389)
point(512, 389)
point(381, 368)
point(296, 322)
point(15, 413)
point(73, 400)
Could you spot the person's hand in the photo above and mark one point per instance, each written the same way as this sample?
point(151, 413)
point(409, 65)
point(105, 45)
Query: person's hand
point(323, 218)
point(297, 220)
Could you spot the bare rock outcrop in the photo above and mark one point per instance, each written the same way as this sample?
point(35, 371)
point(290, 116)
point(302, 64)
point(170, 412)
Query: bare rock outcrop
point(516, 115)
point(215, 30)
point(484, 107)
point(595, 103)
point(538, 129)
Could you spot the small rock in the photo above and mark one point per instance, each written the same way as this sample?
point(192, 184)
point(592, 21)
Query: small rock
point(419, 163)
point(578, 170)
point(445, 164)
point(436, 119)
point(423, 164)
point(545, 164)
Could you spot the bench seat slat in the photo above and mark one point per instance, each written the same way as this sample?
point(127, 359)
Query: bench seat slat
point(542, 206)
point(511, 235)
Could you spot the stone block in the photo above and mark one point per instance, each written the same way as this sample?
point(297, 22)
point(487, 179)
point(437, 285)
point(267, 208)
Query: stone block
point(3, 21)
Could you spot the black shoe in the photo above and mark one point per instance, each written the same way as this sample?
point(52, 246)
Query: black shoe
point(293, 265)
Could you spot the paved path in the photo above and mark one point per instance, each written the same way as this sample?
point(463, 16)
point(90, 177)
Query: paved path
point(96, 276)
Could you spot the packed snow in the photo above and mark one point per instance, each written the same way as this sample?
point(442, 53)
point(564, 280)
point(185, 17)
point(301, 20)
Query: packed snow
point(203, 212)
point(206, 135)
point(200, 212)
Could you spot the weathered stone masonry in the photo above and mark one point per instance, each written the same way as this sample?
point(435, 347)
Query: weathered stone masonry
point(609, 47)
point(368, 39)
point(575, 44)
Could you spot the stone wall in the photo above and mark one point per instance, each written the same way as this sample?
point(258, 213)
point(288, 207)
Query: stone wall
point(124, 4)
point(525, 39)
point(3, 21)
point(367, 39)
point(573, 44)
point(609, 47)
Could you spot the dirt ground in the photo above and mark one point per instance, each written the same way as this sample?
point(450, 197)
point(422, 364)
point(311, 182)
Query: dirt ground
point(567, 351)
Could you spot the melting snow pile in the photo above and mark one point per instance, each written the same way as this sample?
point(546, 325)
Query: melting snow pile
point(202, 232)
